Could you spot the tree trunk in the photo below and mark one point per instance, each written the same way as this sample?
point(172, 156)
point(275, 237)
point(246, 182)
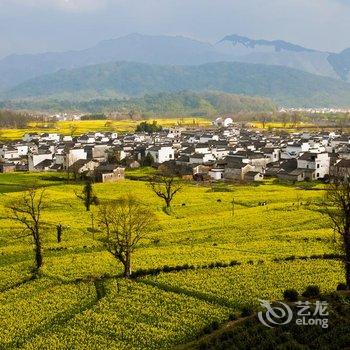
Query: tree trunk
point(347, 273)
point(347, 258)
point(168, 201)
point(59, 233)
point(38, 254)
point(127, 266)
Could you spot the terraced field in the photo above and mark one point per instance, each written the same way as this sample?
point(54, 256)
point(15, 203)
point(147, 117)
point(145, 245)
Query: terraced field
point(229, 258)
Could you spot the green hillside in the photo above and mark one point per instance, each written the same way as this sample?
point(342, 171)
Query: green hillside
point(286, 86)
point(171, 104)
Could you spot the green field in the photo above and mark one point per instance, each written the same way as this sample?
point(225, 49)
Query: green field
point(83, 126)
point(60, 310)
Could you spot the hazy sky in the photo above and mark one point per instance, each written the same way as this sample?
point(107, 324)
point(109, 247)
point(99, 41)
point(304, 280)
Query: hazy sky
point(30, 26)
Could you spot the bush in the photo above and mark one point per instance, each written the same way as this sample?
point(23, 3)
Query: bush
point(232, 317)
point(290, 295)
point(312, 292)
point(288, 258)
point(215, 325)
point(341, 286)
point(166, 268)
point(246, 311)
point(203, 346)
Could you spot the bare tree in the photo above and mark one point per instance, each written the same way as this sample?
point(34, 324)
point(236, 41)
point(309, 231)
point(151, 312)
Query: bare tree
point(295, 118)
point(337, 201)
point(284, 120)
point(87, 196)
point(27, 211)
point(263, 120)
point(72, 129)
point(165, 187)
point(125, 223)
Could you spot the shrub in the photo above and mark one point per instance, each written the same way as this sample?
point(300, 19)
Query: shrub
point(292, 257)
point(246, 311)
point(341, 286)
point(203, 346)
point(232, 317)
point(311, 292)
point(290, 295)
point(156, 240)
point(215, 325)
point(166, 268)
point(207, 330)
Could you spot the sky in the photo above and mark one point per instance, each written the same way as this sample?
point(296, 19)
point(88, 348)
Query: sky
point(33, 26)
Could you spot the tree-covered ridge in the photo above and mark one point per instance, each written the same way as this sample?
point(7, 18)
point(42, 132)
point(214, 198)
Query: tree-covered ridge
point(172, 104)
point(286, 86)
point(278, 45)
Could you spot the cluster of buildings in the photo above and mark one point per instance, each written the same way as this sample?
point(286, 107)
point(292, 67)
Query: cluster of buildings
point(315, 110)
point(222, 152)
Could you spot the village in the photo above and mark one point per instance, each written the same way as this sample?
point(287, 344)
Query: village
point(223, 152)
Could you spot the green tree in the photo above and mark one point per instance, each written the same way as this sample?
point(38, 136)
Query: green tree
point(148, 160)
point(87, 196)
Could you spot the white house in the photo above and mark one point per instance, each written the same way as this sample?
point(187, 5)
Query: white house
point(219, 152)
point(87, 138)
point(69, 158)
point(319, 162)
point(35, 159)
point(8, 152)
point(293, 150)
point(161, 154)
point(30, 137)
point(273, 154)
point(201, 158)
point(225, 122)
point(22, 150)
point(201, 148)
point(50, 137)
point(208, 137)
point(216, 174)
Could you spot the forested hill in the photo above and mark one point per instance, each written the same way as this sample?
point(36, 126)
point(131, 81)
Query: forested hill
point(170, 104)
point(285, 86)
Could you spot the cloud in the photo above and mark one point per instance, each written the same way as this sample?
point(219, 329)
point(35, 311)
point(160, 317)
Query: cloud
point(43, 25)
point(61, 5)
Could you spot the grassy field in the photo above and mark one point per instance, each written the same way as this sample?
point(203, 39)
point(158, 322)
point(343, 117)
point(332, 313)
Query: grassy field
point(83, 126)
point(61, 309)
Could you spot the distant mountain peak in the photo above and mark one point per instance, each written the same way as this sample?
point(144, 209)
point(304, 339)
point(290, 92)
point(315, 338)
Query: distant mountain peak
point(278, 45)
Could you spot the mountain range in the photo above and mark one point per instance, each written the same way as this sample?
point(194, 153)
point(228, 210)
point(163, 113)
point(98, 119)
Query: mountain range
point(285, 86)
point(137, 64)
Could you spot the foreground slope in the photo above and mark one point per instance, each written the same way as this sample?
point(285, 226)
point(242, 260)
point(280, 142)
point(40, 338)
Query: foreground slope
point(80, 303)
